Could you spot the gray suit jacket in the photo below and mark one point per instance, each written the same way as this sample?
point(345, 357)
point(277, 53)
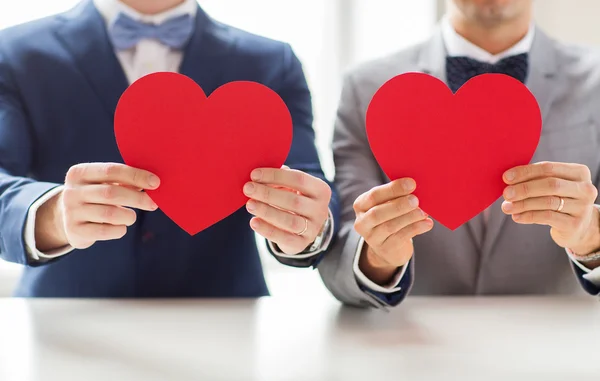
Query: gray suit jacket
point(509, 258)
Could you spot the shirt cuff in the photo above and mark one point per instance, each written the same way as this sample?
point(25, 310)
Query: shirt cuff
point(390, 288)
point(303, 255)
point(29, 234)
point(591, 275)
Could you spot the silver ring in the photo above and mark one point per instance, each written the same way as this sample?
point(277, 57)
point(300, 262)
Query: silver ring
point(562, 204)
point(305, 227)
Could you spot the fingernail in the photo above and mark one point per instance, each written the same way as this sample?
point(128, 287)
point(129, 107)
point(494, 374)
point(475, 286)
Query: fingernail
point(153, 181)
point(408, 184)
point(251, 205)
point(510, 175)
point(249, 188)
point(256, 175)
point(516, 217)
point(508, 206)
point(413, 201)
point(423, 213)
point(254, 223)
point(510, 192)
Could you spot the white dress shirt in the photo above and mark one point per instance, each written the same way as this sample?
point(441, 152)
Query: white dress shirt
point(147, 57)
point(458, 46)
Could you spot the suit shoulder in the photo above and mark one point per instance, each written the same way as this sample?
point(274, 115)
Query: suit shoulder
point(382, 69)
point(368, 77)
point(22, 34)
point(580, 67)
point(579, 61)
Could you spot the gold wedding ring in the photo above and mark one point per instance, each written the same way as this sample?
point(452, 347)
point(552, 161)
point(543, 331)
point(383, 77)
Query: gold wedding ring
point(561, 205)
point(305, 227)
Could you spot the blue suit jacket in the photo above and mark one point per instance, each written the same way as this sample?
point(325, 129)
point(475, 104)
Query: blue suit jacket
point(59, 85)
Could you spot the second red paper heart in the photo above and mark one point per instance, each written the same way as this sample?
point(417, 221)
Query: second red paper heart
point(455, 146)
point(203, 149)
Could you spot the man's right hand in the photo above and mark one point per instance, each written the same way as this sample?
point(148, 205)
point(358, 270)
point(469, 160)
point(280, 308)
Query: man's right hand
point(388, 217)
point(94, 205)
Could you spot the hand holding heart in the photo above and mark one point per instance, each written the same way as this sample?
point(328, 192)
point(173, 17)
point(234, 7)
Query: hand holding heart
point(469, 139)
point(290, 207)
point(94, 205)
point(388, 217)
point(534, 195)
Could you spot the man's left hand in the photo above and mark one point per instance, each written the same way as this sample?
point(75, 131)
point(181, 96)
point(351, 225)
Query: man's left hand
point(559, 195)
point(290, 207)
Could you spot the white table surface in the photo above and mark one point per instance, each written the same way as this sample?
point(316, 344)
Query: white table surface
point(300, 339)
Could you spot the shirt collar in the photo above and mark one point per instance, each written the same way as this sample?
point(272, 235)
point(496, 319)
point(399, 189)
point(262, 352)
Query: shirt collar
point(110, 9)
point(456, 45)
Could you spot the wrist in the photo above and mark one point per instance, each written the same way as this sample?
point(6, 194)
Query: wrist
point(590, 243)
point(49, 226)
point(375, 268)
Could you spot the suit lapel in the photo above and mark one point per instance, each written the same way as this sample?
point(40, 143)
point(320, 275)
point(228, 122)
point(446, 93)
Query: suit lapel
point(432, 61)
point(84, 35)
point(208, 53)
point(432, 57)
point(544, 73)
point(542, 81)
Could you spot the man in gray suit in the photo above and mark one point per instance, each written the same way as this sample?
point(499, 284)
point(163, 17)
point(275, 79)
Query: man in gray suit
point(541, 237)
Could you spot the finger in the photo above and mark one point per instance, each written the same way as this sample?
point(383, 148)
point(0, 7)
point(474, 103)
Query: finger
point(388, 211)
point(382, 232)
point(384, 193)
point(130, 187)
point(276, 235)
point(408, 232)
point(116, 195)
point(100, 232)
point(293, 179)
point(282, 199)
point(557, 220)
point(281, 219)
point(571, 206)
point(99, 173)
point(573, 172)
point(550, 186)
point(105, 214)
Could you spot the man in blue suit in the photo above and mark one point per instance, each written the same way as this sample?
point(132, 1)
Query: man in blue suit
point(78, 218)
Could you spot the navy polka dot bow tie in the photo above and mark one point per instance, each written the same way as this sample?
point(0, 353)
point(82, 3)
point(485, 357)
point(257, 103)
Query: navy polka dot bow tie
point(460, 69)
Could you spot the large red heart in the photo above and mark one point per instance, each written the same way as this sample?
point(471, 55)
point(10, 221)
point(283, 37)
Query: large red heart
point(202, 149)
point(455, 146)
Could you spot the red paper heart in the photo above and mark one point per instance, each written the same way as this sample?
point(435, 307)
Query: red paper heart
point(455, 146)
point(203, 149)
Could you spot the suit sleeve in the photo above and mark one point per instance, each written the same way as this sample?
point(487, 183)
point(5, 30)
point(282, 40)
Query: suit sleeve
point(588, 279)
point(17, 192)
point(357, 172)
point(303, 154)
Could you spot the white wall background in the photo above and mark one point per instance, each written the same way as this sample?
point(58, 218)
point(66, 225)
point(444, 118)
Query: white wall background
point(570, 20)
point(329, 36)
